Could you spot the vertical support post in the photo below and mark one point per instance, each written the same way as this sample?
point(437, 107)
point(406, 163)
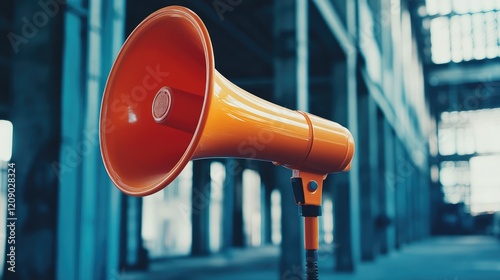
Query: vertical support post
point(228, 204)
point(426, 185)
point(302, 27)
point(238, 226)
point(397, 193)
point(113, 38)
point(200, 208)
point(90, 178)
point(134, 256)
point(290, 33)
point(390, 184)
point(412, 198)
point(365, 180)
point(344, 260)
point(368, 150)
point(374, 172)
point(267, 225)
point(400, 194)
point(268, 182)
point(352, 125)
point(415, 211)
point(34, 110)
point(292, 249)
point(70, 182)
point(382, 220)
point(419, 206)
point(83, 231)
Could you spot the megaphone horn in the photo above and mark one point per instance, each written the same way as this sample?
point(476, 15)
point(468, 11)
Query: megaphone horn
point(187, 110)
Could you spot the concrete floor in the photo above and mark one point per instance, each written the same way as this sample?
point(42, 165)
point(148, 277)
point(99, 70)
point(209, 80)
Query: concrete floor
point(439, 258)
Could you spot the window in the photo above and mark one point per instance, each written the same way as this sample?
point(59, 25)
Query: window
point(217, 177)
point(276, 217)
point(6, 130)
point(473, 135)
point(454, 177)
point(327, 222)
point(485, 184)
point(252, 209)
point(469, 132)
point(463, 30)
point(166, 218)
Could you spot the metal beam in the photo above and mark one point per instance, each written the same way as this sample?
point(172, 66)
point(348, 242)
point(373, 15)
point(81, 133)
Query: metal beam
point(457, 157)
point(333, 21)
point(467, 99)
point(464, 74)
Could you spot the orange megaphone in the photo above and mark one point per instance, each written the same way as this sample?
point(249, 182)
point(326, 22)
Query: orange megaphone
point(165, 104)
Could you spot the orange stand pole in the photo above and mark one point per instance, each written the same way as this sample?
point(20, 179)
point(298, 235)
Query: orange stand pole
point(311, 233)
point(307, 189)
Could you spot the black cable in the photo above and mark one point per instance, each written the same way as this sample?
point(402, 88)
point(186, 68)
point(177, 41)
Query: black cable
point(311, 265)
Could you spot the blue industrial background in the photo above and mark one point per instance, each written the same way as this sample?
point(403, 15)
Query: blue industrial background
point(416, 82)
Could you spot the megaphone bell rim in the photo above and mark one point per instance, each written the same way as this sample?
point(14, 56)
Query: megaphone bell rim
point(204, 38)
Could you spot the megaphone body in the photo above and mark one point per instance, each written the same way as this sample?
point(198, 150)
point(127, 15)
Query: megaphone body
point(165, 104)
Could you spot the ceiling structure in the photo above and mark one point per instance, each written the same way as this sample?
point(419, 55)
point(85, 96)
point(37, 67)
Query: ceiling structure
point(244, 44)
point(460, 44)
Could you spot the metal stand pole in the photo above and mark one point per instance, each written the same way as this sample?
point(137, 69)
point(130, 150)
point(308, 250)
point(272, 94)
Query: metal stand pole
point(311, 265)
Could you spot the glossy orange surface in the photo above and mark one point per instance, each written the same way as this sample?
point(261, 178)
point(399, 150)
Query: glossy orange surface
point(311, 233)
point(147, 139)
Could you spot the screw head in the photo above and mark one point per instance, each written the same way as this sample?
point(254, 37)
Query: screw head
point(312, 185)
